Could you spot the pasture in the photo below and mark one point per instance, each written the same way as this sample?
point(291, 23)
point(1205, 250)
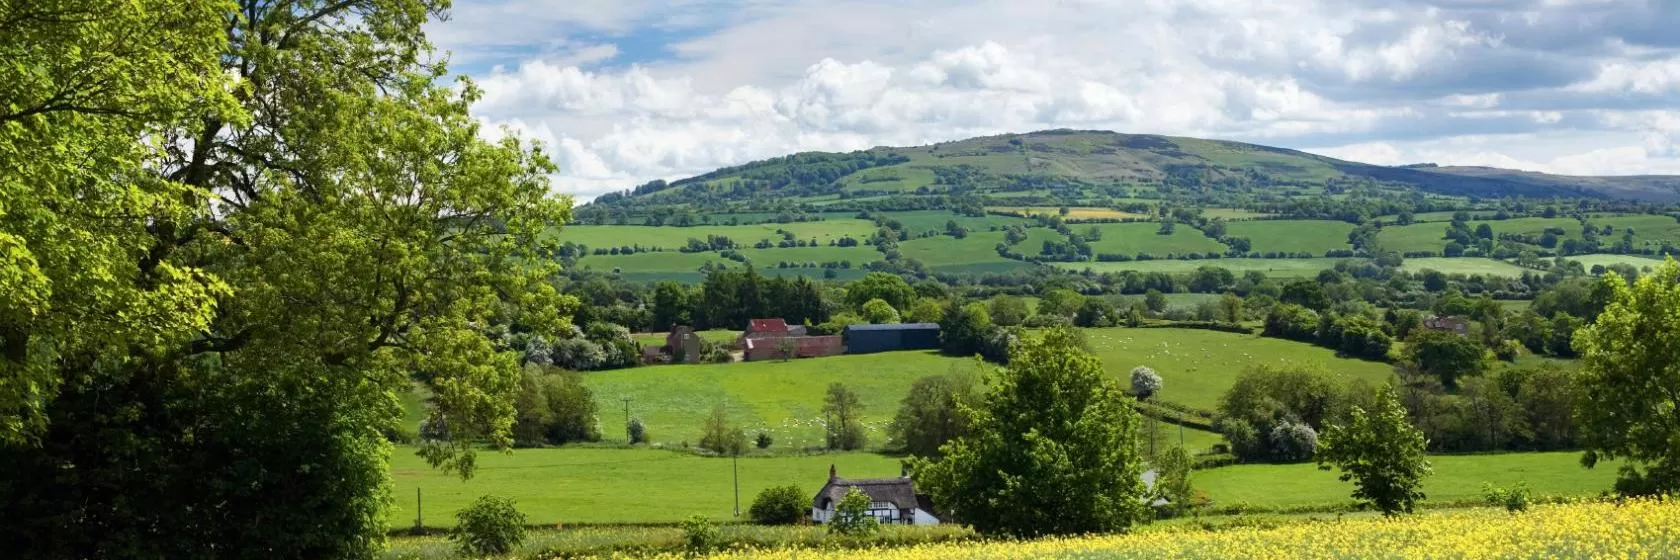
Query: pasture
point(1143, 237)
point(1074, 212)
point(670, 237)
point(1638, 262)
point(934, 220)
point(975, 253)
point(1431, 236)
point(717, 335)
point(1464, 265)
point(1457, 477)
point(1274, 268)
point(1198, 366)
point(1292, 236)
point(571, 485)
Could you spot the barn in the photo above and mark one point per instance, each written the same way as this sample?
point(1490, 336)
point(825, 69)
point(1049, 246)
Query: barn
point(868, 339)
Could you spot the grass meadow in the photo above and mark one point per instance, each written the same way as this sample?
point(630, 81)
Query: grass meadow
point(1074, 212)
point(1464, 265)
point(670, 237)
point(1292, 236)
point(1142, 237)
point(1275, 268)
point(1456, 478)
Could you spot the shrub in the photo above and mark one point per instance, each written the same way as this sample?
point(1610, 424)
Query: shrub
point(699, 535)
point(638, 431)
point(1145, 382)
point(491, 525)
point(1293, 441)
point(553, 408)
point(1514, 499)
point(1042, 321)
point(763, 440)
point(779, 505)
point(851, 516)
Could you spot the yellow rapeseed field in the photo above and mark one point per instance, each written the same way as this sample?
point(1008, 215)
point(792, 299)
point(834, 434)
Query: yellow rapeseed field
point(1633, 529)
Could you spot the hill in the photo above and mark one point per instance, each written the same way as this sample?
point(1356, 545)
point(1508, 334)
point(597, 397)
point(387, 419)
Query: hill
point(1082, 168)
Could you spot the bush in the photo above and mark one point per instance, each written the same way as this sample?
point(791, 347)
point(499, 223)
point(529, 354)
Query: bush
point(1042, 321)
point(638, 431)
point(1145, 382)
point(851, 516)
point(699, 535)
point(1293, 442)
point(779, 505)
point(763, 440)
point(491, 525)
point(1514, 499)
point(553, 408)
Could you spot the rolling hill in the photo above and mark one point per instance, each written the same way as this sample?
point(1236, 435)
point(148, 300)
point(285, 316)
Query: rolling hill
point(1070, 167)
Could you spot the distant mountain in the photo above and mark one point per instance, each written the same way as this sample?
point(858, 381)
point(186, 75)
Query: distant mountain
point(1078, 166)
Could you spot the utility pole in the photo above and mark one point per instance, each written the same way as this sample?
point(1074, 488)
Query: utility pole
point(627, 435)
point(736, 466)
point(419, 524)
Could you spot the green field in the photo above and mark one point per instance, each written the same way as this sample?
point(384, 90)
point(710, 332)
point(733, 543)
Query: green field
point(593, 485)
point(975, 253)
point(1141, 237)
point(675, 237)
point(935, 220)
point(1648, 230)
point(658, 339)
point(1198, 366)
point(1432, 236)
point(1292, 236)
point(1457, 477)
point(1641, 263)
point(1275, 268)
point(1074, 212)
point(1232, 213)
point(783, 399)
point(1464, 265)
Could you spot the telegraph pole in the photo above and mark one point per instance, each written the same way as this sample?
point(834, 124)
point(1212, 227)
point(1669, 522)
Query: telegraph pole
point(627, 435)
point(736, 466)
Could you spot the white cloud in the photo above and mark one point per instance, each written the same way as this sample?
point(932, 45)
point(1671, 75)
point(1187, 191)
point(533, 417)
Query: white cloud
point(1389, 82)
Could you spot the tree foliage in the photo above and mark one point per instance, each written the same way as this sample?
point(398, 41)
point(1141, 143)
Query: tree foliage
point(1172, 480)
point(935, 411)
point(719, 436)
point(843, 418)
point(1380, 452)
point(490, 525)
point(1445, 355)
point(851, 515)
point(240, 231)
point(1052, 449)
point(878, 311)
point(1629, 404)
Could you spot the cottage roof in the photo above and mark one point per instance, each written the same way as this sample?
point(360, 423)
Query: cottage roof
point(894, 327)
point(900, 492)
point(767, 325)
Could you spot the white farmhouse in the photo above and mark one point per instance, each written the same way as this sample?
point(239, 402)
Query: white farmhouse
point(891, 500)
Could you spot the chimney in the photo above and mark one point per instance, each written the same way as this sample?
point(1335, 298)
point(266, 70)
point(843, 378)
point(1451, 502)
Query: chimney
point(832, 475)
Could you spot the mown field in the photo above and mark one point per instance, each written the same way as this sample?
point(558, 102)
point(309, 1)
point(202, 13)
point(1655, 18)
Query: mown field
point(1464, 265)
point(1639, 262)
point(1292, 236)
point(1275, 268)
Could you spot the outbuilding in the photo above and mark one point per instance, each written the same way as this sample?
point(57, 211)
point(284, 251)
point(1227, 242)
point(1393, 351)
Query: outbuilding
point(868, 339)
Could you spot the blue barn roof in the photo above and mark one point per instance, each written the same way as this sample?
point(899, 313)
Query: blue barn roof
point(894, 327)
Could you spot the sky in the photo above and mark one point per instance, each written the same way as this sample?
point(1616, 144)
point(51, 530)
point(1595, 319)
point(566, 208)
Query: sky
point(621, 92)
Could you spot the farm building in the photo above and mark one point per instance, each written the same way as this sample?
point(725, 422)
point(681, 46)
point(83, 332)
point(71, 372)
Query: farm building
point(868, 339)
point(891, 500)
point(1450, 324)
point(771, 348)
point(769, 339)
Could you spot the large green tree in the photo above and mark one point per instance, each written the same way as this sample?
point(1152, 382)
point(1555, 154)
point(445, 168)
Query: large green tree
point(1051, 450)
point(1380, 452)
point(1628, 405)
point(241, 229)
